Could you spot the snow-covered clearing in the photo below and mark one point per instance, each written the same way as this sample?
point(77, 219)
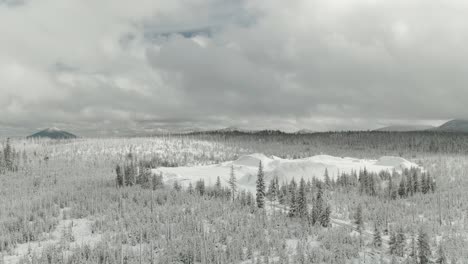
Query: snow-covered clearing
point(246, 168)
point(74, 232)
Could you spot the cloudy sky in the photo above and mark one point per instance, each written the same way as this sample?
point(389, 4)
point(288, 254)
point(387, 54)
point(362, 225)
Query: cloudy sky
point(114, 67)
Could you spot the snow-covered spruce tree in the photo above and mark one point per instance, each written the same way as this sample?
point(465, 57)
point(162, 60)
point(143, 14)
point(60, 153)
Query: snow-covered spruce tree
point(130, 174)
point(359, 223)
point(392, 245)
point(292, 198)
point(177, 186)
point(217, 187)
point(325, 217)
point(400, 242)
point(200, 187)
point(318, 204)
point(302, 200)
point(119, 176)
point(402, 188)
point(409, 184)
point(190, 188)
point(413, 253)
point(358, 219)
point(377, 238)
point(416, 183)
point(8, 155)
point(327, 180)
point(424, 250)
point(260, 187)
point(233, 183)
point(441, 258)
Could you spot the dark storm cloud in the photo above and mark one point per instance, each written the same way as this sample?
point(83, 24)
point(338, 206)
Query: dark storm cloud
point(154, 65)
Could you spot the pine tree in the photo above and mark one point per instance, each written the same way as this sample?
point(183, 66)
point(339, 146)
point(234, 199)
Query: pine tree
point(402, 188)
point(119, 176)
point(233, 183)
point(416, 184)
point(271, 193)
point(390, 187)
point(424, 250)
point(363, 181)
point(326, 176)
point(177, 186)
point(260, 187)
point(302, 200)
point(400, 242)
point(409, 185)
point(200, 187)
point(317, 208)
point(8, 155)
point(377, 240)
point(359, 223)
point(413, 254)
point(292, 199)
point(218, 184)
point(325, 217)
point(441, 258)
point(190, 188)
point(128, 174)
point(358, 220)
point(392, 245)
point(424, 187)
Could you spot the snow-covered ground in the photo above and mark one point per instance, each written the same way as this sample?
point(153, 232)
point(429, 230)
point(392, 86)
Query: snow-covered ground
point(78, 232)
point(246, 168)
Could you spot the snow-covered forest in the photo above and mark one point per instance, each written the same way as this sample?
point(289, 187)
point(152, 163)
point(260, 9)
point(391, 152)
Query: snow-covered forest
point(357, 197)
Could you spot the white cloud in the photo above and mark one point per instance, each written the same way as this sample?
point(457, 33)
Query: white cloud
point(270, 63)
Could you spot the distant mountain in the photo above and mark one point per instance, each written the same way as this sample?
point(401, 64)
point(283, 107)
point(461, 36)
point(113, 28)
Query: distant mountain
point(455, 125)
point(239, 131)
point(404, 128)
point(53, 133)
point(234, 129)
point(304, 131)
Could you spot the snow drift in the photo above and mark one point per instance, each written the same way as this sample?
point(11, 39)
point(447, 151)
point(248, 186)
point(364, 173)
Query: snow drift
point(246, 167)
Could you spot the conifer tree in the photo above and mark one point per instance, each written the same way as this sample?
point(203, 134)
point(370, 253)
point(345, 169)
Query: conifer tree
point(424, 186)
point(441, 258)
point(271, 193)
point(177, 186)
point(377, 239)
point(392, 244)
point(416, 184)
point(119, 176)
point(302, 200)
point(400, 242)
point(325, 217)
point(128, 174)
point(402, 188)
point(218, 184)
point(359, 223)
point(260, 187)
point(390, 187)
point(292, 199)
point(413, 254)
point(424, 250)
point(8, 155)
point(200, 187)
point(358, 220)
point(317, 208)
point(326, 177)
point(233, 183)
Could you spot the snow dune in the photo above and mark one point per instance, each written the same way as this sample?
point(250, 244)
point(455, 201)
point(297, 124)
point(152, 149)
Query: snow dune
point(246, 168)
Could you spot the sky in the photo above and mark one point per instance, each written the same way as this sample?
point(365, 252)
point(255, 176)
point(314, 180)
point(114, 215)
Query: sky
point(119, 67)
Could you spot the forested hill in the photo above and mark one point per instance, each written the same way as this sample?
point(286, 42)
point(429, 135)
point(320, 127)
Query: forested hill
point(394, 142)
